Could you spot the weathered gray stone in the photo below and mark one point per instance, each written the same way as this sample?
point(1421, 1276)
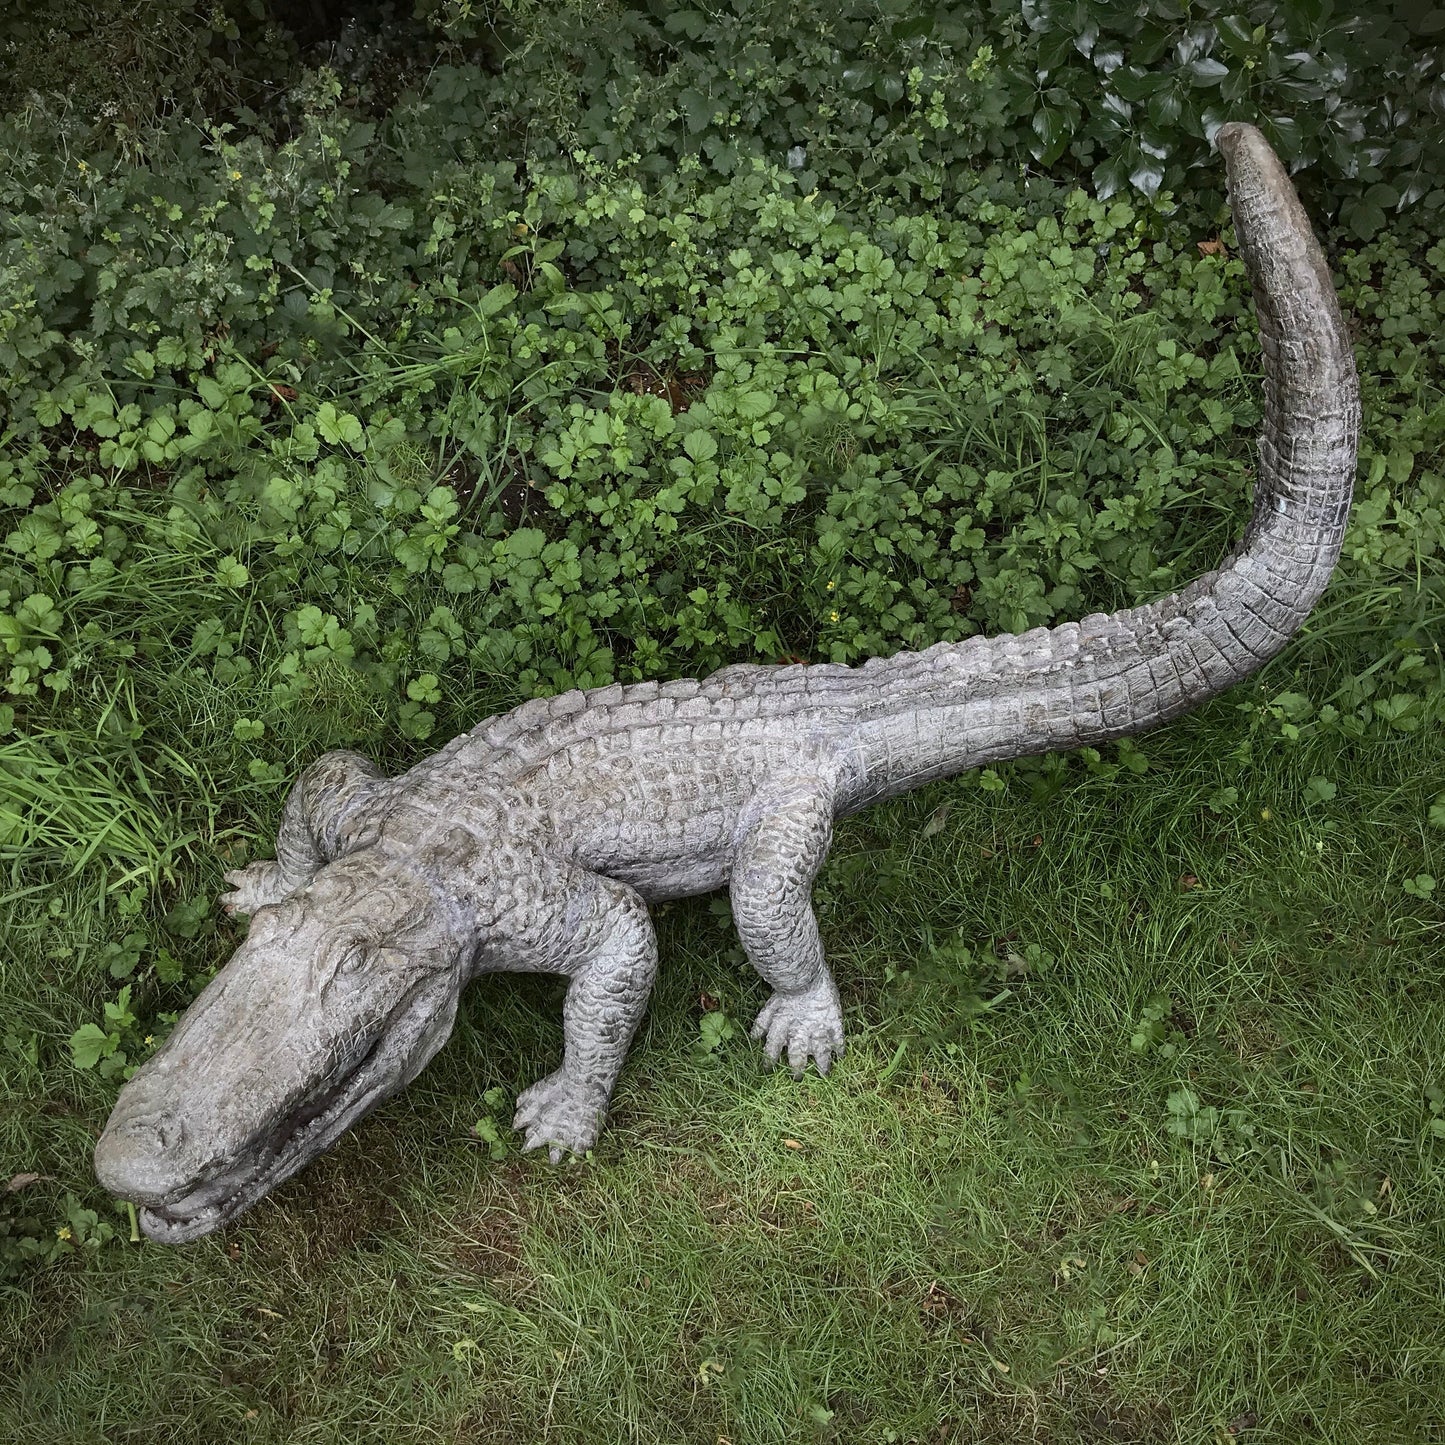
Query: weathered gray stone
point(536, 841)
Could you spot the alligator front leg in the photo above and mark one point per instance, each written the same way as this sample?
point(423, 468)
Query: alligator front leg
point(306, 839)
point(772, 879)
point(612, 961)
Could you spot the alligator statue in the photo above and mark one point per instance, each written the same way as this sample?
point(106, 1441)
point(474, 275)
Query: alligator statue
point(536, 841)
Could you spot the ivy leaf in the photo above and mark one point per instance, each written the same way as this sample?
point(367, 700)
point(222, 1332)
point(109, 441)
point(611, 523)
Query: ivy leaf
point(1165, 107)
point(1147, 176)
point(1236, 35)
point(1134, 83)
point(1051, 126)
point(1110, 176)
point(1206, 71)
point(1364, 219)
point(691, 23)
point(1055, 48)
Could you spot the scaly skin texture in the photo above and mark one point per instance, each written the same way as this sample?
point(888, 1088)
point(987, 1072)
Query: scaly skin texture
point(537, 840)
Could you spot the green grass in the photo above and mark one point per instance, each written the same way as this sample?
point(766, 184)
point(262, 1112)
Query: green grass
point(982, 1228)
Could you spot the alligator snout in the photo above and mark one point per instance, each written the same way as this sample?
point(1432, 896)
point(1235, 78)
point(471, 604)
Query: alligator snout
point(143, 1158)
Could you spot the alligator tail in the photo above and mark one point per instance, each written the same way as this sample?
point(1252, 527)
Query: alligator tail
point(960, 705)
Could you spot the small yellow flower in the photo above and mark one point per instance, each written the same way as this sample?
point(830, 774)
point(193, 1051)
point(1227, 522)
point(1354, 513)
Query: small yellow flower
point(150, 1039)
point(81, 167)
point(831, 586)
point(1266, 814)
point(235, 175)
point(833, 616)
point(64, 1232)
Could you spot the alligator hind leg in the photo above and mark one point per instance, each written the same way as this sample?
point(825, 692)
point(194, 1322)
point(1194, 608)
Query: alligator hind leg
point(774, 865)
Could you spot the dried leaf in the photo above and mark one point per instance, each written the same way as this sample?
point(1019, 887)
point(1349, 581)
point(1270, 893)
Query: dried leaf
point(936, 819)
point(22, 1181)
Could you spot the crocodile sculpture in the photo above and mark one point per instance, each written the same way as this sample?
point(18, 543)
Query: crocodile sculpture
point(536, 841)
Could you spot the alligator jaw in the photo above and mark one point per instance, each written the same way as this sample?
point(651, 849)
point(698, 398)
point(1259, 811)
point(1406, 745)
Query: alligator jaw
point(309, 1132)
point(390, 1061)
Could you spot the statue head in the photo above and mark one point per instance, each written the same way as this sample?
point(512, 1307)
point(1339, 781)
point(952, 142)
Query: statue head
point(339, 997)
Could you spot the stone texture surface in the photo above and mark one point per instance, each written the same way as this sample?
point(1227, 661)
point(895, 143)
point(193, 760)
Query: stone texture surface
point(537, 840)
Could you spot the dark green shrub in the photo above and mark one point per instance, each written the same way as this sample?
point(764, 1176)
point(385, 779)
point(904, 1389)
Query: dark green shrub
point(898, 96)
point(885, 95)
point(123, 65)
point(455, 433)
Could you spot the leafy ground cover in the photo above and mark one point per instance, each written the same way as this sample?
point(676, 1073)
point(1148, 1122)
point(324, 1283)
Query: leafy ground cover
point(357, 429)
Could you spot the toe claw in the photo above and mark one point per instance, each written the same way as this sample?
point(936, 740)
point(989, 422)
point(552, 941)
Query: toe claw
point(805, 1025)
point(561, 1114)
point(253, 887)
point(760, 1028)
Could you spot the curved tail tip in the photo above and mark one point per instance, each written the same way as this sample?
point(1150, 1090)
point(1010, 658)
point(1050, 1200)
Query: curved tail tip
point(1236, 133)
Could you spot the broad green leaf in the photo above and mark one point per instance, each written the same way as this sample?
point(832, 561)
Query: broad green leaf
point(701, 446)
point(497, 299)
point(89, 1044)
point(1206, 71)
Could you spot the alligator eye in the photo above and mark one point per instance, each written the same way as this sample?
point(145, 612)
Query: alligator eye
point(341, 963)
point(351, 960)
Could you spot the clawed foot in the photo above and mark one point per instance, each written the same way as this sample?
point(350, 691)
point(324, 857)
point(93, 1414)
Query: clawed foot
point(559, 1112)
point(253, 887)
point(809, 1025)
